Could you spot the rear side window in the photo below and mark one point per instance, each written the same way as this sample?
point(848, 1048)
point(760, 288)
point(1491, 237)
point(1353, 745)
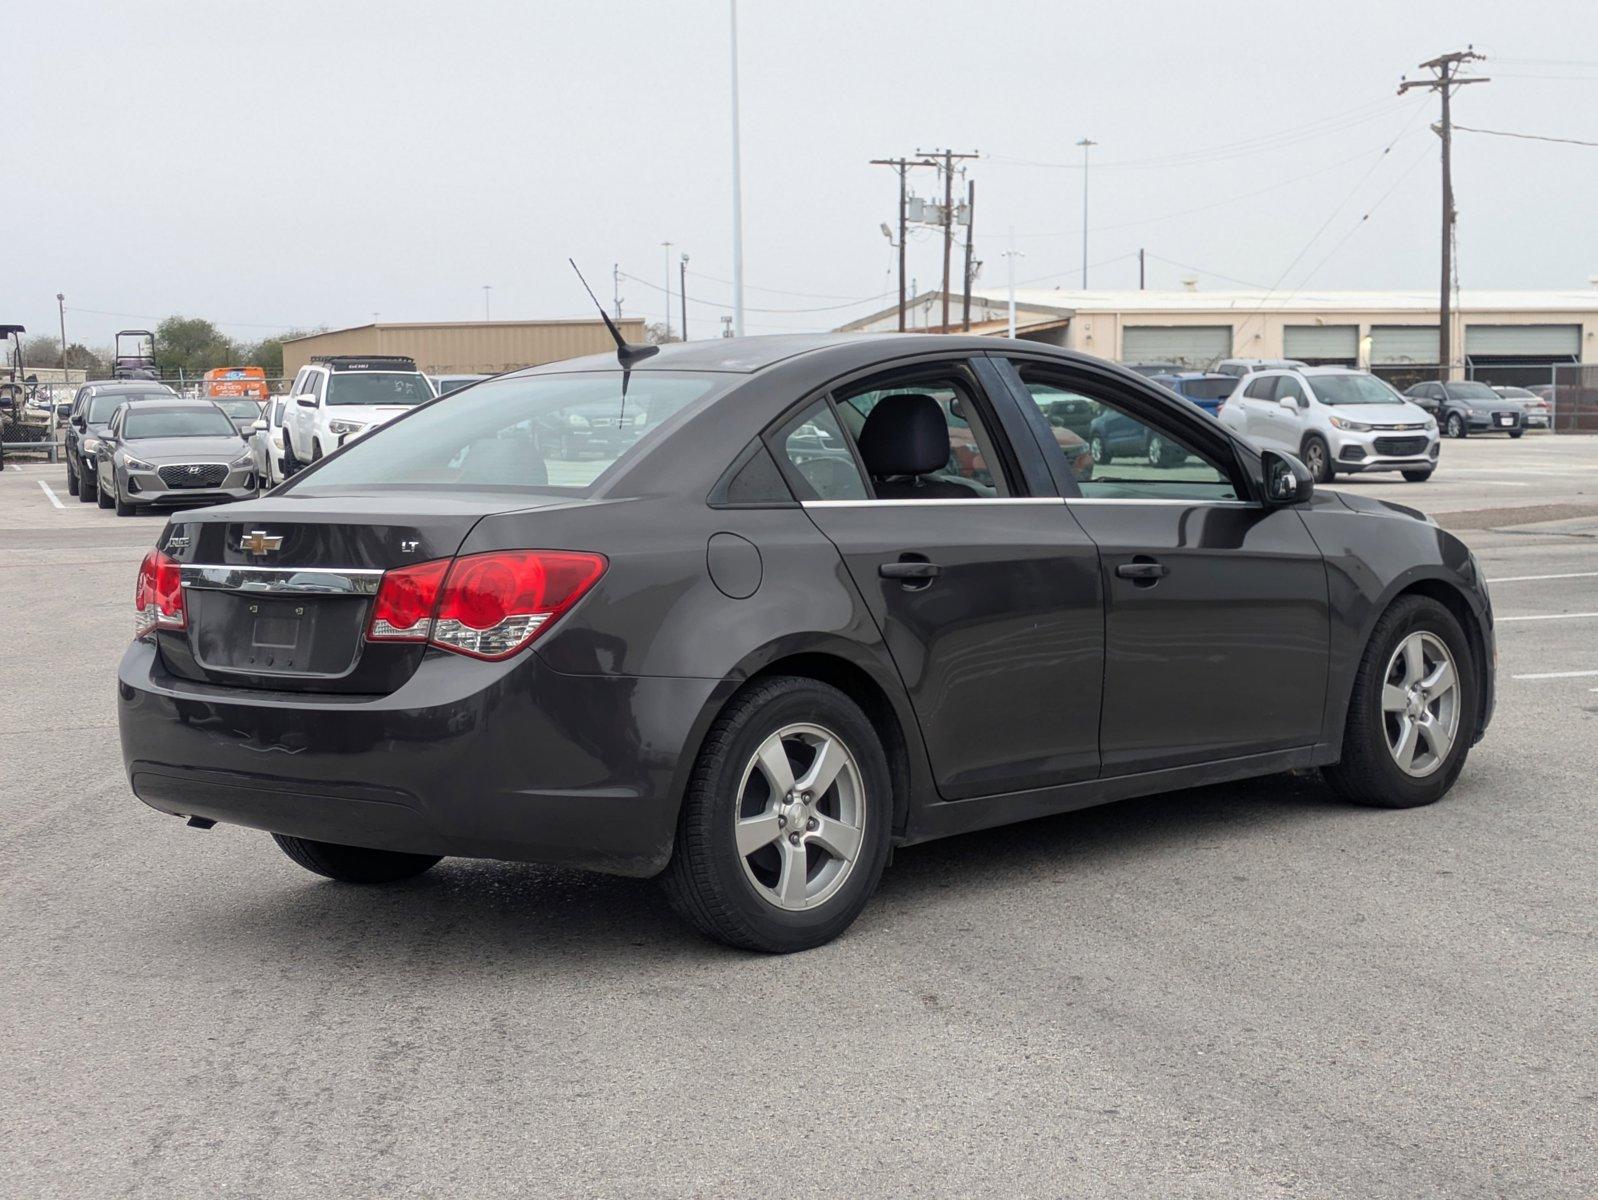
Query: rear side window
point(813, 443)
point(560, 431)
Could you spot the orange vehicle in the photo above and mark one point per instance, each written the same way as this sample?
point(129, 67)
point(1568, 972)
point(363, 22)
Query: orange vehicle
point(235, 381)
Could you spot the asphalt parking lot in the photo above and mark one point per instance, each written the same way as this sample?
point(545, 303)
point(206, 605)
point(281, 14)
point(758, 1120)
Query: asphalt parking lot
point(1241, 991)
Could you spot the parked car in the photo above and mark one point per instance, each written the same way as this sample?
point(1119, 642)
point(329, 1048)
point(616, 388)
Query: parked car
point(1338, 420)
point(752, 669)
point(266, 440)
point(1207, 389)
point(1539, 413)
point(243, 411)
point(1463, 407)
point(1155, 368)
point(337, 398)
point(175, 451)
point(86, 425)
point(1116, 434)
point(443, 384)
point(1239, 367)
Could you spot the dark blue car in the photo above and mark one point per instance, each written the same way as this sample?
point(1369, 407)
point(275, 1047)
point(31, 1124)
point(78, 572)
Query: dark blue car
point(1203, 389)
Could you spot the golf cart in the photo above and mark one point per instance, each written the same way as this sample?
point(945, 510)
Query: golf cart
point(138, 360)
point(12, 393)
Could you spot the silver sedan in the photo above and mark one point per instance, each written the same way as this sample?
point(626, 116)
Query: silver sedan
point(183, 452)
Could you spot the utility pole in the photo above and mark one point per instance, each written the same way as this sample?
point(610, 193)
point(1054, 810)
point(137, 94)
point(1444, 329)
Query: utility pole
point(947, 167)
point(61, 311)
point(615, 288)
point(1010, 256)
point(1140, 275)
point(902, 165)
point(487, 287)
point(1085, 143)
point(1444, 79)
point(682, 292)
point(737, 191)
point(668, 289)
point(970, 222)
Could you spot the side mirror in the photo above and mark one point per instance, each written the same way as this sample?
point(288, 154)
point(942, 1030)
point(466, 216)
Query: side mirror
point(305, 400)
point(1288, 403)
point(80, 423)
point(1287, 481)
point(259, 427)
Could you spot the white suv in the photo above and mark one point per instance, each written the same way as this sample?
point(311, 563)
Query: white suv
point(1336, 419)
point(338, 398)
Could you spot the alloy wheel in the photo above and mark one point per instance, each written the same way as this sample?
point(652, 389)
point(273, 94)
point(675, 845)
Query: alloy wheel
point(1420, 703)
point(1315, 460)
point(800, 816)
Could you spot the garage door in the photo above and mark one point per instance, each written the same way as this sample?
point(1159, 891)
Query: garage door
point(1403, 344)
point(1194, 346)
point(1321, 343)
point(1524, 341)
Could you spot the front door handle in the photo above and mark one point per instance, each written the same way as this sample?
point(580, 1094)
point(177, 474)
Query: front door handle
point(1145, 572)
point(912, 569)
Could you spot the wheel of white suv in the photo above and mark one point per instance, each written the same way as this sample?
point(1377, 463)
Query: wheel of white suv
point(784, 829)
point(1318, 458)
point(1413, 709)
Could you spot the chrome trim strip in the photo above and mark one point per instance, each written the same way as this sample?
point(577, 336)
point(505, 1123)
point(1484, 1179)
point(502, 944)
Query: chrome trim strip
point(1182, 503)
point(335, 581)
point(936, 503)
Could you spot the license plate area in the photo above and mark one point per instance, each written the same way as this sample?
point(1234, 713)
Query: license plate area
point(257, 634)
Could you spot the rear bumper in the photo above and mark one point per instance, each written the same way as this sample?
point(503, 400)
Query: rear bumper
point(511, 760)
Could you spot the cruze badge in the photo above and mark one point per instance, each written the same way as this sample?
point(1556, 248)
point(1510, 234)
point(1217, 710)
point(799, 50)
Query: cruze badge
point(258, 541)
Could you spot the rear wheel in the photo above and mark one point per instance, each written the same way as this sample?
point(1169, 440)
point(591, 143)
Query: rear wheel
point(784, 829)
point(1413, 710)
point(1318, 458)
point(354, 864)
point(1417, 476)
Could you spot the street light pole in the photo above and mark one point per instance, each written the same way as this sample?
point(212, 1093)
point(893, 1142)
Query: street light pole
point(1085, 143)
point(682, 293)
point(737, 191)
point(61, 311)
point(667, 245)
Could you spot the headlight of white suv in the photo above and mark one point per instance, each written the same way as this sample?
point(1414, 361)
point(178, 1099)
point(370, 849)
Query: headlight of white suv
point(1344, 423)
point(1431, 425)
point(340, 428)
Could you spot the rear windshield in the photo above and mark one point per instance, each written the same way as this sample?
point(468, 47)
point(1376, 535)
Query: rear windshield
point(1207, 389)
point(240, 408)
point(1353, 389)
point(103, 404)
point(378, 387)
point(540, 431)
point(176, 422)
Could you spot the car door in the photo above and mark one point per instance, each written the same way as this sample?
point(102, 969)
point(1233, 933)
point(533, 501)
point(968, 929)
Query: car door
point(987, 596)
point(1264, 421)
point(1290, 418)
point(1216, 625)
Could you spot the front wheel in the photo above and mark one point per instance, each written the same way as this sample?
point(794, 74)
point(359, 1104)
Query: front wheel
point(88, 486)
point(102, 497)
point(1516, 433)
point(1456, 426)
point(1412, 713)
point(1100, 449)
point(1416, 476)
point(784, 829)
point(72, 479)
point(354, 864)
point(1318, 458)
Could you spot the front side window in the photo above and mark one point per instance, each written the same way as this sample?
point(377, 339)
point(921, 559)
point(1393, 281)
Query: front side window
point(1130, 459)
point(148, 422)
point(1289, 388)
point(536, 431)
point(1260, 387)
point(814, 444)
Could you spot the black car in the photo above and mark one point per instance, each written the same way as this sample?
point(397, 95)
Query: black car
point(1463, 407)
point(784, 630)
point(86, 427)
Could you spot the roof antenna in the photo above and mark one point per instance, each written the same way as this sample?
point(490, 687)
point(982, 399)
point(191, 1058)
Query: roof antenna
point(625, 354)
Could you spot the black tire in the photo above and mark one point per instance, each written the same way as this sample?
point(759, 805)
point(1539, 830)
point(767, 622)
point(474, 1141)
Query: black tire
point(1516, 433)
point(354, 864)
point(1318, 458)
point(89, 487)
point(1367, 774)
point(1100, 450)
point(102, 497)
point(72, 479)
point(291, 462)
point(316, 450)
point(1456, 426)
point(124, 509)
point(706, 882)
point(1417, 476)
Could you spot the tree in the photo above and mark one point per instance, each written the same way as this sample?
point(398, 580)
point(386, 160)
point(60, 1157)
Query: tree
point(191, 346)
point(268, 352)
point(655, 334)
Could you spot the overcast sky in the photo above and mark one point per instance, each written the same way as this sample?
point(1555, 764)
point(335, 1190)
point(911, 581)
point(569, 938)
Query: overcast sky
point(310, 163)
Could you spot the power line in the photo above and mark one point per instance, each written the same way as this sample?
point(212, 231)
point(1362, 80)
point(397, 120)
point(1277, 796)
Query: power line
point(1530, 137)
point(728, 307)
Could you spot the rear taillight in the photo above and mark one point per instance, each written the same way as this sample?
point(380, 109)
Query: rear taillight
point(485, 606)
point(158, 597)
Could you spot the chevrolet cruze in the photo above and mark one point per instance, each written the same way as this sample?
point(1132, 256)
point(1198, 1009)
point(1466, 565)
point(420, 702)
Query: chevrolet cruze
point(782, 628)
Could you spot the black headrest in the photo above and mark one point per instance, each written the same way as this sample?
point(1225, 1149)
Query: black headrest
point(905, 435)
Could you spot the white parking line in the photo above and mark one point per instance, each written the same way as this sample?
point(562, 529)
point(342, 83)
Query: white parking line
point(1548, 617)
point(54, 499)
point(1556, 675)
point(1534, 578)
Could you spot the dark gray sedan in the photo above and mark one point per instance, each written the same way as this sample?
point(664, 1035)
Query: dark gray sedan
point(1463, 407)
point(177, 452)
point(785, 628)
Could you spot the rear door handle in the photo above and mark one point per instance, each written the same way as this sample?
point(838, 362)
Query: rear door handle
point(910, 569)
point(1143, 572)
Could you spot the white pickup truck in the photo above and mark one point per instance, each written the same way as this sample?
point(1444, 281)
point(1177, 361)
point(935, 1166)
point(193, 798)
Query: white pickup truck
point(337, 398)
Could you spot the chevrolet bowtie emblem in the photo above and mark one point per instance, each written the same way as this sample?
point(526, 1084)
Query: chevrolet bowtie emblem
point(258, 541)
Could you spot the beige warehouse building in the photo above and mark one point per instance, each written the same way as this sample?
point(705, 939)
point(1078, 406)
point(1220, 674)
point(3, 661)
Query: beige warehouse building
point(1518, 336)
point(465, 347)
